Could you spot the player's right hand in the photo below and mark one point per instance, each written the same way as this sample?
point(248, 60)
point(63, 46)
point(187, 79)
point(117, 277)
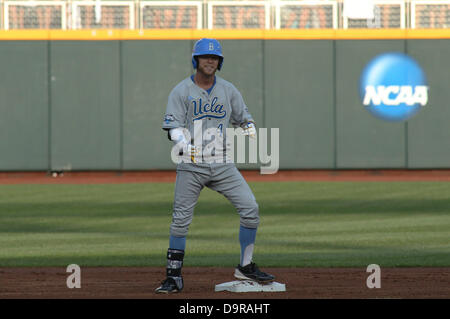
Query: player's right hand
point(191, 150)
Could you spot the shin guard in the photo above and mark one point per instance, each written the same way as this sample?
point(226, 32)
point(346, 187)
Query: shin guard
point(174, 264)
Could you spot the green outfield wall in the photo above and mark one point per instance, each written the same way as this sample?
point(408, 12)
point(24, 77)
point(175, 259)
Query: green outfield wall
point(99, 105)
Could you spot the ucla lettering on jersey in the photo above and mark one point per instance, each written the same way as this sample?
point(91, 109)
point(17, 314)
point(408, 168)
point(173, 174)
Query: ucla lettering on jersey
point(188, 105)
point(203, 110)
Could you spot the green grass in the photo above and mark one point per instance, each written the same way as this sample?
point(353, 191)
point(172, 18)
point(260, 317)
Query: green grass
point(317, 224)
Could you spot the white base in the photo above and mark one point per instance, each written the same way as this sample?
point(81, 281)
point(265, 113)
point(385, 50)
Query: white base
point(250, 286)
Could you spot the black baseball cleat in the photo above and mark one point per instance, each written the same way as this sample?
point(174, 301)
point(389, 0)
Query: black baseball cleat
point(170, 285)
point(252, 272)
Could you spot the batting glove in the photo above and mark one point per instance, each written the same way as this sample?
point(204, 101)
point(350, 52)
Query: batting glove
point(249, 129)
point(191, 150)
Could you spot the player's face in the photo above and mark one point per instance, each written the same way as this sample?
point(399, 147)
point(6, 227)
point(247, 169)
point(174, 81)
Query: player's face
point(208, 64)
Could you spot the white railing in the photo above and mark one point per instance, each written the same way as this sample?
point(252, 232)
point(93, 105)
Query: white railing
point(387, 14)
point(239, 14)
point(430, 14)
point(34, 15)
point(102, 15)
point(171, 14)
point(306, 14)
point(219, 14)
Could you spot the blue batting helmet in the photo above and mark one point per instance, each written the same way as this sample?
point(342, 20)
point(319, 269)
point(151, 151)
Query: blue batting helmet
point(207, 46)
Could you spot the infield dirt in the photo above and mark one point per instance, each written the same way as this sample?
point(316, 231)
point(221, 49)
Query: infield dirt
point(301, 283)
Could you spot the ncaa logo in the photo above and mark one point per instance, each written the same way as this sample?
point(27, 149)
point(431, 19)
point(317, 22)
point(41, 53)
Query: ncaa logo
point(393, 87)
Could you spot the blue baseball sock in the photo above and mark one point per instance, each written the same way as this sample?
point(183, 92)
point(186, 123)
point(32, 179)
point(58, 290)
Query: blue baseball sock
point(247, 240)
point(178, 243)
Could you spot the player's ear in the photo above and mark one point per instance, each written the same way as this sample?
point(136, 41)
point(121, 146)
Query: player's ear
point(196, 61)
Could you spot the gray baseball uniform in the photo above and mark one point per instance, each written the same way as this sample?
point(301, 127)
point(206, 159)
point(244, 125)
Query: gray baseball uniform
point(188, 105)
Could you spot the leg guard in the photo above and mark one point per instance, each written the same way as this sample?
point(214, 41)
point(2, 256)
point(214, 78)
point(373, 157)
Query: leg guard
point(174, 264)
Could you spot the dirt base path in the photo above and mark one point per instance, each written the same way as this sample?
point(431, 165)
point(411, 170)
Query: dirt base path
point(140, 282)
point(104, 177)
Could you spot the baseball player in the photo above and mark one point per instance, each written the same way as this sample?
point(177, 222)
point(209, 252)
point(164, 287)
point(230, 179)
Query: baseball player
point(208, 101)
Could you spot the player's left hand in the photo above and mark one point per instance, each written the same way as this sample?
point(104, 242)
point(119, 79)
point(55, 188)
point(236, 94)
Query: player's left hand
point(249, 129)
